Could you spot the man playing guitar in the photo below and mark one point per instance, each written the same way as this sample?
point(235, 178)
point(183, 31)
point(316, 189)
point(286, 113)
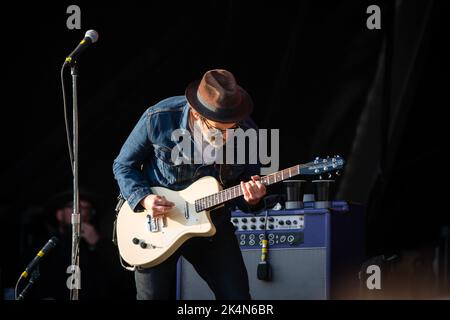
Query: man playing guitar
point(214, 104)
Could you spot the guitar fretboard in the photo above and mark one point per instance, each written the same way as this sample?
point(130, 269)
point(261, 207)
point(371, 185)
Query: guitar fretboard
point(236, 191)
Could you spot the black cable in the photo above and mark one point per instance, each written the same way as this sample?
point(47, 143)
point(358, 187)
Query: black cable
point(65, 117)
point(265, 223)
point(16, 288)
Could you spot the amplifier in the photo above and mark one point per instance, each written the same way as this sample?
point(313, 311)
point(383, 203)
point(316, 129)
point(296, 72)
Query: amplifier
point(306, 248)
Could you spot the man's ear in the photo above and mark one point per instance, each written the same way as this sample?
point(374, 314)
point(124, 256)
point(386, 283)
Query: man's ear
point(195, 114)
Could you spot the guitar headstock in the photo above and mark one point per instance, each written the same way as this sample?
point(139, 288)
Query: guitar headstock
point(319, 166)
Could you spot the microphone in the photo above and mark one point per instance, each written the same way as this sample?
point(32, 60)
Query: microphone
point(34, 263)
point(264, 271)
point(90, 37)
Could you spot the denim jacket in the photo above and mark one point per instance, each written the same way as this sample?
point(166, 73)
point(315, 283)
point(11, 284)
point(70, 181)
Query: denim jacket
point(145, 158)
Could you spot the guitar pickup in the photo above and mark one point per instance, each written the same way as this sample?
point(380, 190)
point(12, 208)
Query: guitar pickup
point(186, 210)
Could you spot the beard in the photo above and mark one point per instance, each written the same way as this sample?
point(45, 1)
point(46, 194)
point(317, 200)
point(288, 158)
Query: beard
point(212, 136)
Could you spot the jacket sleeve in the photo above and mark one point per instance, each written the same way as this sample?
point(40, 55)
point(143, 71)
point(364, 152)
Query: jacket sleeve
point(127, 167)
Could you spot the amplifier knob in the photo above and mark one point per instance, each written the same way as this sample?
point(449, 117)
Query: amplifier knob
point(253, 219)
point(143, 245)
point(244, 220)
point(253, 227)
point(288, 222)
point(290, 239)
point(244, 227)
point(261, 226)
point(271, 226)
point(281, 222)
point(262, 219)
point(235, 220)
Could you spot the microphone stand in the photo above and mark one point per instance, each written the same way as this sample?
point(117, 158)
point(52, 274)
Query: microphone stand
point(76, 221)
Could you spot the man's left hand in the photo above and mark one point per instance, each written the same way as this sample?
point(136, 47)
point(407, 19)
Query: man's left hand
point(253, 190)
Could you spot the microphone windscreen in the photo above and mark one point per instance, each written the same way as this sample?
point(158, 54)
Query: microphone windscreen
point(92, 34)
point(264, 271)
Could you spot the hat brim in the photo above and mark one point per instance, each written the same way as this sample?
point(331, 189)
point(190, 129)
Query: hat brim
point(231, 115)
point(61, 199)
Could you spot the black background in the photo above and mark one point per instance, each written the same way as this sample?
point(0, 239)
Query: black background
point(309, 67)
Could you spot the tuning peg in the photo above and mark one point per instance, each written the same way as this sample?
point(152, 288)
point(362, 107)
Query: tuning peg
point(329, 176)
point(325, 168)
point(338, 173)
point(320, 177)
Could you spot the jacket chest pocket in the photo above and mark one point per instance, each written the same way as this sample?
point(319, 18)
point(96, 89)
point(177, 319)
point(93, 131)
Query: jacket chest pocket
point(173, 172)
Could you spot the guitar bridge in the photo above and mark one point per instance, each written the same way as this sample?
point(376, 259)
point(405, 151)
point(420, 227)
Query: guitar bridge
point(153, 224)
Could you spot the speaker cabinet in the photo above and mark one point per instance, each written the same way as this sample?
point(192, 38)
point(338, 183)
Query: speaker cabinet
point(322, 250)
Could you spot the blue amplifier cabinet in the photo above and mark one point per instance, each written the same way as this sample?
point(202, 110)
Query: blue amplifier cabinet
point(308, 248)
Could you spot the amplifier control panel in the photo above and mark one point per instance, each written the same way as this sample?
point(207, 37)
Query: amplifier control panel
point(276, 239)
point(278, 222)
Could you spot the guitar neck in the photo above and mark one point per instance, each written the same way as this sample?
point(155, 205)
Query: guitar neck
point(228, 194)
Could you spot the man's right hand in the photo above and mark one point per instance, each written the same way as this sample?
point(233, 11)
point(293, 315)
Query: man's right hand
point(156, 205)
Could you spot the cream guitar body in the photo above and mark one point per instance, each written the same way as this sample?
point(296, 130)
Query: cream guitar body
point(146, 242)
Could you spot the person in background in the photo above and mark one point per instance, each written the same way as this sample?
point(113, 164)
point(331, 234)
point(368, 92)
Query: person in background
point(101, 274)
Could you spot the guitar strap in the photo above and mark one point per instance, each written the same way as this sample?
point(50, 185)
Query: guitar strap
point(120, 202)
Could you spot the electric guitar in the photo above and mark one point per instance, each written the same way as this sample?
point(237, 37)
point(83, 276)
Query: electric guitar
point(145, 241)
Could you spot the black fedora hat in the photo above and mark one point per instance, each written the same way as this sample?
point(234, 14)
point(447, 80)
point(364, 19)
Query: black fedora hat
point(63, 198)
point(218, 97)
